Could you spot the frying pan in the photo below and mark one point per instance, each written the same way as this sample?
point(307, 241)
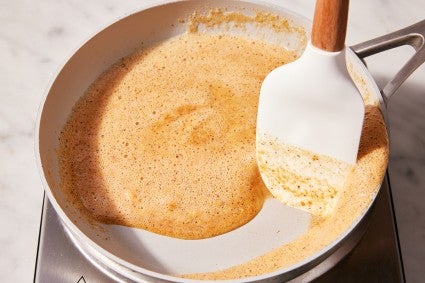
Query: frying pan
point(143, 256)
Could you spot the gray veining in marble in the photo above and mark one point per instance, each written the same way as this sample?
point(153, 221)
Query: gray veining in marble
point(36, 37)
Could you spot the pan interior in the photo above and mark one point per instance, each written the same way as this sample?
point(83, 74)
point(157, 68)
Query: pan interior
point(138, 249)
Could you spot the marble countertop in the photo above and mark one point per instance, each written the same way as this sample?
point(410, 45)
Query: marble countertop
point(36, 37)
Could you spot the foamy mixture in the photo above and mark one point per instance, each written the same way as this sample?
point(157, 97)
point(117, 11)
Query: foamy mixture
point(165, 141)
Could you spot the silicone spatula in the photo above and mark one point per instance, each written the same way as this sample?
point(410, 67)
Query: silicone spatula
point(312, 103)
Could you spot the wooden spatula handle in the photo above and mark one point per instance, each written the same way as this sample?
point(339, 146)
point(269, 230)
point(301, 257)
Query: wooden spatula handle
point(330, 24)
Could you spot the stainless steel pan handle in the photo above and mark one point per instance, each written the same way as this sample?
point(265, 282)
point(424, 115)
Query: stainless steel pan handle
point(414, 36)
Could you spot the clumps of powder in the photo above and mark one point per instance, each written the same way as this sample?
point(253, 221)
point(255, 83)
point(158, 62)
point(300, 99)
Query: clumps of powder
point(217, 18)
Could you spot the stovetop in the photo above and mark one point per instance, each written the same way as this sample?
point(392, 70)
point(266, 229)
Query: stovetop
point(376, 258)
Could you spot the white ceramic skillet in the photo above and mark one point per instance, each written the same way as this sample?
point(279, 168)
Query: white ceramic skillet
point(143, 256)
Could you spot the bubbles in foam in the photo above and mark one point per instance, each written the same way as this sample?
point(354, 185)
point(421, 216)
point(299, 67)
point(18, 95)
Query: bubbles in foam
point(164, 140)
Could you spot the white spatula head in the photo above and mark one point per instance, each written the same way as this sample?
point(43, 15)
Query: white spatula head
point(310, 117)
point(313, 104)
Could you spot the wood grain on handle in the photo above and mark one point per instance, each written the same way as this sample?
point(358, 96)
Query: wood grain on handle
point(330, 24)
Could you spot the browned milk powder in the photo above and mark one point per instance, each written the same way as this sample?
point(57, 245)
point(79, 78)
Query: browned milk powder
point(165, 141)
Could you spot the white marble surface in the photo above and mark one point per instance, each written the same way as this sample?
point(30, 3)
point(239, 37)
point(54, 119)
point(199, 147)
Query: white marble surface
point(37, 36)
